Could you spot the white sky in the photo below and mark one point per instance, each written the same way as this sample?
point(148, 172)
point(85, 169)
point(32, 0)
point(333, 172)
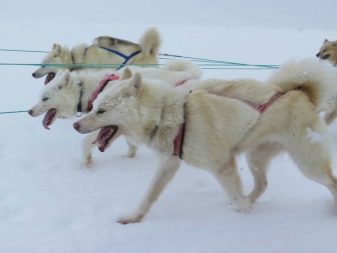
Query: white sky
point(300, 14)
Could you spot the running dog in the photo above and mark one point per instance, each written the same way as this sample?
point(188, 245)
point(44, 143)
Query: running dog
point(104, 50)
point(72, 93)
point(220, 119)
point(328, 51)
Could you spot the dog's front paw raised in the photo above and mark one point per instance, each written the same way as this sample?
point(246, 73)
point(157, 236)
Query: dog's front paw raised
point(130, 219)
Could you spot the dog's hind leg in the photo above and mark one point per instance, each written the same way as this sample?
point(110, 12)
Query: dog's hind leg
point(258, 160)
point(167, 169)
point(312, 156)
point(330, 116)
point(230, 181)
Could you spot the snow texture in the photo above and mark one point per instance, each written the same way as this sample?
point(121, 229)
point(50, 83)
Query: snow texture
point(50, 203)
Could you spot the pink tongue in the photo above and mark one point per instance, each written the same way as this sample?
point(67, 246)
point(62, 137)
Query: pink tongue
point(104, 135)
point(49, 77)
point(48, 118)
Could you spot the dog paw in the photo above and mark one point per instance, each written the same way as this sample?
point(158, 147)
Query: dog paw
point(88, 161)
point(243, 205)
point(131, 153)
point(130, 219)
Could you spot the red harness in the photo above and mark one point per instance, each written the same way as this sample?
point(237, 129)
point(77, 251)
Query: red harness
point(178, 142)
point(102, 84)
point(261, 108)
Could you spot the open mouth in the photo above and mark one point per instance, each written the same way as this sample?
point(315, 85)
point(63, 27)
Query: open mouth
point(49, 118)
point(50, 76)
point(104, 136)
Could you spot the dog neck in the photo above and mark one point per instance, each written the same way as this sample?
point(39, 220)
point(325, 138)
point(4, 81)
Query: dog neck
point(79, 102)
point(162, 127)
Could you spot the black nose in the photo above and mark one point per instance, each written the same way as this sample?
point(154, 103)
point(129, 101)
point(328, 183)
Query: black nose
point(76, 125)
point(34, 75)
point(317, 55)
point(30, 112)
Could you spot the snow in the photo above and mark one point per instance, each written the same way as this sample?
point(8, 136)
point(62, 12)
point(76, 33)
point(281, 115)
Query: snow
point(49, 202)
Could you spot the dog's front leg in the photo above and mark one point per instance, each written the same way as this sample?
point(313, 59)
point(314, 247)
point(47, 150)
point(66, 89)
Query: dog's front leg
point(87, 145)
point(167, 169)
point(132, 149)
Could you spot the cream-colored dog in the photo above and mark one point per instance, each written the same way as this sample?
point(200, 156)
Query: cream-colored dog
point(104, 50)
point(70, 93)
point(219, 120)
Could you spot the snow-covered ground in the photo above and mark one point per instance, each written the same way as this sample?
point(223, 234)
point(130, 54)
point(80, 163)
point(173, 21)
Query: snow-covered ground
point(50, 203)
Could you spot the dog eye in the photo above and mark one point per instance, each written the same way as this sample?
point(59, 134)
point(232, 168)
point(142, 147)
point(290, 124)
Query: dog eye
point(100, 111)
point(45, 99)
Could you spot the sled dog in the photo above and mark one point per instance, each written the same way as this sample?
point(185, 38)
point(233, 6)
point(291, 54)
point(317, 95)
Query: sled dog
point(328, 51)
point(218, 120)
point(70, 93)
point(103, 50)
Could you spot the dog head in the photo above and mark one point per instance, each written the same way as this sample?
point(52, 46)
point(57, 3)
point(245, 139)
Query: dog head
point(58, 55)
point(328, 51)
point(115, 108)
point(57, 99)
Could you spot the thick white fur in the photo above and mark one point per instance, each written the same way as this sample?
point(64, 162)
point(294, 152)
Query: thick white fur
point(63, 91)
point(221, 125)
point(92, 54)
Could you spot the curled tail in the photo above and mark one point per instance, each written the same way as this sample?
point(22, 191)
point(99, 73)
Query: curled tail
point(193, 71)
point(150, 42)
point(317, 79)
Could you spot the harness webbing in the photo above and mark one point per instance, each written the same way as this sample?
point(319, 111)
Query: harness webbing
point(178, 142)
point(102, 84)
point(125, 57)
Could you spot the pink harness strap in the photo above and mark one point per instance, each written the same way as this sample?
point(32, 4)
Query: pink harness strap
point(261, 108)
point(102, 84)
point(178, 142)
point(181, 82)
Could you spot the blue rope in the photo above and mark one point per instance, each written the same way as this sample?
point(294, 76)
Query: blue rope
point(225, 63)
point(23, 50)
point(12, 112)
point(203, 66)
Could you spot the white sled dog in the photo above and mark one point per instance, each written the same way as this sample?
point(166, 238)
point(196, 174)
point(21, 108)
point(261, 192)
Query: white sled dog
point(104, 50)
point(210, 126)
point(73, 92)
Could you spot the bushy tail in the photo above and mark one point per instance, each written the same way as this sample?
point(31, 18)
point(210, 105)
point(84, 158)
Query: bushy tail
point(184, 66)
point(150, 42)
point(317, 79)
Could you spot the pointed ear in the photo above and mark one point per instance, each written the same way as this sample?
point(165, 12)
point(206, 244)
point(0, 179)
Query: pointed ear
point(126, 74)
point(65, 77)
point(136, 82)
point(56, 50)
